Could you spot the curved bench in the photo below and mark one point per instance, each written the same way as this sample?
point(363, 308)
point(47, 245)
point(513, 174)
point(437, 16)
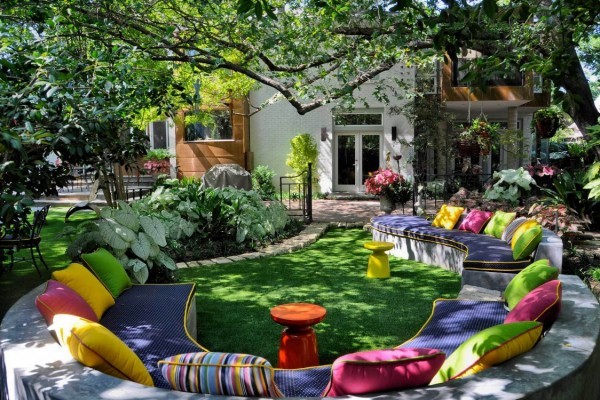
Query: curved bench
point(481, 260)
point(562, 366)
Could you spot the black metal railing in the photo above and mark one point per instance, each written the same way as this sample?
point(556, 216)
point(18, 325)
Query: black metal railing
point(438, 188)
point(295, 192)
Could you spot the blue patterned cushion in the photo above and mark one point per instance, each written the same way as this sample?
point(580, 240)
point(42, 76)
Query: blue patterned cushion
point(305, 382)
point(484, 252)
point(454, 321)
point(226, 374)
point(150, 319)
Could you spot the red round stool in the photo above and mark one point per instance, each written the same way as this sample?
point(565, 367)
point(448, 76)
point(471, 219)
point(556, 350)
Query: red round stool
point(298, 343)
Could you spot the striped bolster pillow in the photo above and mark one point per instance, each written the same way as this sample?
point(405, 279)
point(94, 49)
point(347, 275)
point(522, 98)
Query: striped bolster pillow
point(215, 373)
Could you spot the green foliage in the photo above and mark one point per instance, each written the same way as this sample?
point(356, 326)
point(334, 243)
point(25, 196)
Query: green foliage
point(137, 240)
point(303, 151)
point(158, 155)
point(212, 213)
point(510, 185)
point(262, 182)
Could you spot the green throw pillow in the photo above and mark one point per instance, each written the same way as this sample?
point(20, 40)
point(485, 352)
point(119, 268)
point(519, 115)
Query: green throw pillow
point(489, 347)
point(108, 270)
point(528, 279)
point(527, 242)
point(498, 223)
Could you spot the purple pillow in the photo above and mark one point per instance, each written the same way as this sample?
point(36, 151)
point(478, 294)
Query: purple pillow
point(541, 304)
point(383, 370)
point(475, 221)
point(58, 298)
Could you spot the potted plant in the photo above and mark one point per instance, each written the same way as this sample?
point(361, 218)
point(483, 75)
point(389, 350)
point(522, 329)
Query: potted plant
point(386, 184)
point(547, 121)
point(477, 138)
point(157, 161)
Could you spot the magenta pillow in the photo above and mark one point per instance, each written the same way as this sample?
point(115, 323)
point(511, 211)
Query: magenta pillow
point(475, 221)
point(58, 298)
point(541, 304)
point(383, 370)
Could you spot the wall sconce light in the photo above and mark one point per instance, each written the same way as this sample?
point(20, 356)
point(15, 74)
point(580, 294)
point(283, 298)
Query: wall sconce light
point(323, 134)
point(394, 133)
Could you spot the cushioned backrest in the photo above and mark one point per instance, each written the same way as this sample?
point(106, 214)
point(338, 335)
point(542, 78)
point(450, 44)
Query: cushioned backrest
point(217, 373)
point(498, 223)
point(108, 270)
point(541, 304)
point(82, 281)
point(96, 347)
point(383, 370)
point(528, 279)
point(475, 221)
point(489, 347)
point(58, 298)
point(527, 242)
point(447, 216)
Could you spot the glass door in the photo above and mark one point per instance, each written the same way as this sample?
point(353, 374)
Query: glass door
point(357, 155)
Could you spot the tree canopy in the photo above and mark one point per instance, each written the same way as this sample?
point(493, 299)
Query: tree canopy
point(318, 51)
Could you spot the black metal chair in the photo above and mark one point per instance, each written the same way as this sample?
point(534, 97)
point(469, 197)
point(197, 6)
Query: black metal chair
point(25, 236)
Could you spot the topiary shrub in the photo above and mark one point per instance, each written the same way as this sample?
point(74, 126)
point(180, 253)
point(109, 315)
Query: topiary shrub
point(262, 182)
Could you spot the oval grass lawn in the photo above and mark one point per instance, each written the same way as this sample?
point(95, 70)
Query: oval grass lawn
point(233, 300)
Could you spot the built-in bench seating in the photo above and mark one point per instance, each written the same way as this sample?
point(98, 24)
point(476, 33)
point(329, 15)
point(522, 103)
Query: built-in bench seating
point(562, 366)
point(480, 259)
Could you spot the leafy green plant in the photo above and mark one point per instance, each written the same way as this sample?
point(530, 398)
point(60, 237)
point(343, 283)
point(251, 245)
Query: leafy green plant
point(303, 151)
point(158, 155)
point(136, 240)
point(510, 185)
point(262, 182)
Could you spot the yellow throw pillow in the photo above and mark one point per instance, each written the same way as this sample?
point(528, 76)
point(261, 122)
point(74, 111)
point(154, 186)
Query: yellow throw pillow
point(96, 347)
point(82, 281)
point(530, 223)
point(447, 217)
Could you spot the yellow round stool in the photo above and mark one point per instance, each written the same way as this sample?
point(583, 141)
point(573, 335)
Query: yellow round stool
point(379, 264)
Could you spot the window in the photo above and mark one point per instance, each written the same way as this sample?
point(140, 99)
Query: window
point(427, 78)
point(159, 135)
point(358, 119)
point(513, 77)
point(215, 125)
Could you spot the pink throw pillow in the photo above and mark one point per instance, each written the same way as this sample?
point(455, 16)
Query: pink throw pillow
point(58, 298)
point(541, 304)
point(383, 370)
point(475, 221)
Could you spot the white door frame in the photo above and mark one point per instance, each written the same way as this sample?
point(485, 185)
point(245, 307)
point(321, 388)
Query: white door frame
point(358, 135)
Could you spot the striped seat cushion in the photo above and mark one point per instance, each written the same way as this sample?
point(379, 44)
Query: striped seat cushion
point(305, 382)
point(454, 321)
point(150, 320)
point(226, 374)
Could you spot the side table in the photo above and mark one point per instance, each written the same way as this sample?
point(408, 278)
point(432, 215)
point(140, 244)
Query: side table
point(379, 263)
point(298, 343)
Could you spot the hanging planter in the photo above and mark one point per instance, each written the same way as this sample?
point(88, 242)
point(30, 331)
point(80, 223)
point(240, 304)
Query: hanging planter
point(547, 121)
point(477, 138)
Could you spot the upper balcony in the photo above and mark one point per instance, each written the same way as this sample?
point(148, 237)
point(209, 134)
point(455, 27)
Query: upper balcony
point(507, 90)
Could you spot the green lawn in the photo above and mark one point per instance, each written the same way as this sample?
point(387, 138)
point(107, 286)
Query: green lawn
point(24, 277)
point(233, 300)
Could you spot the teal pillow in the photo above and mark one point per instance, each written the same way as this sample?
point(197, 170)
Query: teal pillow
point(527, 242)
point(528, 279)
point(498, 223)
point(108, 270)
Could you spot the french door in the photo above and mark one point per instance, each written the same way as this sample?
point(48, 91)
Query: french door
point(357, 154)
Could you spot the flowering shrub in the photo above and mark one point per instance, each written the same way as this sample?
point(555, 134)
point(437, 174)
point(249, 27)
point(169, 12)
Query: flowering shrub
point(155, 167)
point(509, 185)
point(543, 174)
point(384, 182)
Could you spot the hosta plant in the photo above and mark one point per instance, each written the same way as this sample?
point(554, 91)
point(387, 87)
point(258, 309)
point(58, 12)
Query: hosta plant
point(510, 185)
point(136, 240)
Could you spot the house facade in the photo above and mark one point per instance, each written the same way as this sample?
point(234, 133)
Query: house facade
point(373, 135)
